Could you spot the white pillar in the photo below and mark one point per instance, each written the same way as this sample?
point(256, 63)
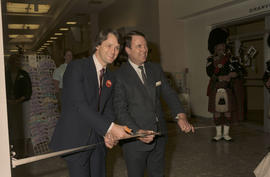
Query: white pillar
point(266, 93)
point(5, 166)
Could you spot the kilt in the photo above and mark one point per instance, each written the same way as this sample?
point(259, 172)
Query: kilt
point(212, 92)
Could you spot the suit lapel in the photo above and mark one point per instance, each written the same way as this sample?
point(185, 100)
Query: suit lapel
point(106, 89)
point(91, 74)
point(151, 81)
point(132, 75)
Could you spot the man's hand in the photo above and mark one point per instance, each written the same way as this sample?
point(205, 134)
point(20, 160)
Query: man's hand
point(109, 141)
point(116, 132)
point(146, 139)
point(184, 124)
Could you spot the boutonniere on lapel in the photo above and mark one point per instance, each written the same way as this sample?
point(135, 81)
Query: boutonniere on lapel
point(21, 76)
point(108, 83)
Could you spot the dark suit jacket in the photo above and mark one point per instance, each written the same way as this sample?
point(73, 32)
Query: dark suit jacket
point(80, 122)
point(138, 106)
point(22, 85)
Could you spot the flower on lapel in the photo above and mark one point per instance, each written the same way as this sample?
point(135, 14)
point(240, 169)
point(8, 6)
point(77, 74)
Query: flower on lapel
point(21, 76)
point(108, 83)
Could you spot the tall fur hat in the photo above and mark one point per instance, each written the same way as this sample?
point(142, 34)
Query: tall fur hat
point(216, 36)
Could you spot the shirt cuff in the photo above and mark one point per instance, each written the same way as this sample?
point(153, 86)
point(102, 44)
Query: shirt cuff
point(181, 116)
point(110, 127)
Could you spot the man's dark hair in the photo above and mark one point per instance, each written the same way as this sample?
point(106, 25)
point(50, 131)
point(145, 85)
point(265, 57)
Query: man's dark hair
point(103, 36)
point(129, 35)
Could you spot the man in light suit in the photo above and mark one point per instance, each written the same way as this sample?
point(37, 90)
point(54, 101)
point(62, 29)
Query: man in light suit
point(139, 85)
point(87, 114)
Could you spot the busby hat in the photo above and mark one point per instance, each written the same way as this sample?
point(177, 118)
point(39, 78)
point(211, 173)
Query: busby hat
point(216, 36)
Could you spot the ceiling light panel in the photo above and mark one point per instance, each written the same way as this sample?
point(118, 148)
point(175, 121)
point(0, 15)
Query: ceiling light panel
point(71, 23)
point(13, 50)
point(28, 36)
point(58, 34)
point(24, 26)
point(63, 29)
point(13, 35)
point(27, 8)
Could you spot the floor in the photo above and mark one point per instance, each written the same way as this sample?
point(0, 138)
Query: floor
point(188, 155)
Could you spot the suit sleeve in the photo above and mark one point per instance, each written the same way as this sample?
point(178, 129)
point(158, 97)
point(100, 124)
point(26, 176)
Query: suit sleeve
point(74, 95)
point(108, 111)
point(120, 103)
point(170, 95)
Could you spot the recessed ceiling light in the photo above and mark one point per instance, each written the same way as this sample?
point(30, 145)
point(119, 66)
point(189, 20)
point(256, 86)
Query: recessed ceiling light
point(58, 34)
point(13, 50)
point(13, 35)
point(54, 38)
point(49, 41)
point(71, 23)
point(27, 8)
point(46, 44)
point(29, 36)
point(24, 26)
point(63, 29)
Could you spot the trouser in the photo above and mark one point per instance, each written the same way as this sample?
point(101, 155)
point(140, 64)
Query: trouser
point(91, 163)
point(138, 161)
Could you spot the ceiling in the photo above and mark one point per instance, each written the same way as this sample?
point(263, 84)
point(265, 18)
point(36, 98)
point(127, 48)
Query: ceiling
point(38, 25)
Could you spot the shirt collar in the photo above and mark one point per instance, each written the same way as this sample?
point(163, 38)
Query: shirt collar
point(135, 66)
point(97, 63)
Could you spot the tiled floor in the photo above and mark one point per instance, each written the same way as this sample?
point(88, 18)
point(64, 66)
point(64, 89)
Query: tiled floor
point(188, 155)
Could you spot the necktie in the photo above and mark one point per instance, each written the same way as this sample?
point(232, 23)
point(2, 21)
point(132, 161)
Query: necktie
point(101, 74)
point(143, 75)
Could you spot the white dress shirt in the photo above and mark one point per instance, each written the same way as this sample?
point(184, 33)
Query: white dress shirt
point(137, 69)
point(98, 68)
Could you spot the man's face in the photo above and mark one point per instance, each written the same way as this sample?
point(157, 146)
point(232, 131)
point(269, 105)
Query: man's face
point(220, 49)
point(138, 50)
point(68, 56)
point(108, 50)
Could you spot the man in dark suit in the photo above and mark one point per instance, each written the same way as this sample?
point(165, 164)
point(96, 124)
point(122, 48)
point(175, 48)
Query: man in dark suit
point(87, 114)
point(139, 85)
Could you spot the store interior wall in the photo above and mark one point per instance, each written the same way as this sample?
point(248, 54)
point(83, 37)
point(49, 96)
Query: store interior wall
point(196, 31)
point(134, 15)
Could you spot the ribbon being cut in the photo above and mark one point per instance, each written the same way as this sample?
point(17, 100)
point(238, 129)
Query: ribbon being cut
point(17, 162)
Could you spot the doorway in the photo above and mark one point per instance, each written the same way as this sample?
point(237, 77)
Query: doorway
point(250, 35)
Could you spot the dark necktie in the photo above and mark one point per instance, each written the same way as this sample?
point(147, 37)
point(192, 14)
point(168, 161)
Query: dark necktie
point(143, 75)
point(101, 74)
